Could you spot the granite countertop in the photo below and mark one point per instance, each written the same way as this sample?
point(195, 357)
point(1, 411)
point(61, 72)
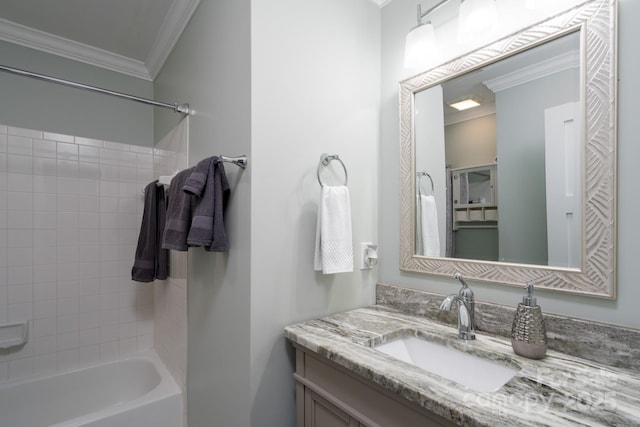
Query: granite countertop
point(559, 390)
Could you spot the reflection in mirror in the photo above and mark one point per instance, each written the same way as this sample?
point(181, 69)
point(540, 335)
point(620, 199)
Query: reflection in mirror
point(526, 113)
point(524, 183)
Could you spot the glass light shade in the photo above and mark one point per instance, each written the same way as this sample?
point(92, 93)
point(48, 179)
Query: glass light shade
point(476, 20)
point(539, 4)
point(420, 46)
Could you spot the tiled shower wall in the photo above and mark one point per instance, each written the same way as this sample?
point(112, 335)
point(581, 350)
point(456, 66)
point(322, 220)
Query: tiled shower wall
point(70, 211)
point(170, 296)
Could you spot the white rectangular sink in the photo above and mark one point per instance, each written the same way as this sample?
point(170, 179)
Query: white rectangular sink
point(466, 369)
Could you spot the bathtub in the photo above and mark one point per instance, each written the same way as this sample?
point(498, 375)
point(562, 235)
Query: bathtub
point(135, 391)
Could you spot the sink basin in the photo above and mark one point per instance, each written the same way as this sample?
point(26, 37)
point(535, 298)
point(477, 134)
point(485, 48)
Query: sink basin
point(466, 369)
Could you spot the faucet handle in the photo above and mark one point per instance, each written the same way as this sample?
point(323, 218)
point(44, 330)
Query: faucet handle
point(465, 292)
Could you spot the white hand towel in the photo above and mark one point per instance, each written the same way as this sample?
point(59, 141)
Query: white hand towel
point(429, 226)
point(334, 246)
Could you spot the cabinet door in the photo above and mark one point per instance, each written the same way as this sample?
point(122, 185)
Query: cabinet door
point(321, 413)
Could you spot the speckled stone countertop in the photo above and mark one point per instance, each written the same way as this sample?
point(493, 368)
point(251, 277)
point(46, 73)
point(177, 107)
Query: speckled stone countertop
point(559, 390)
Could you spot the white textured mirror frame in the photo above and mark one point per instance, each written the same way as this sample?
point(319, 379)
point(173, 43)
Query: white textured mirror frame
point(596, 20)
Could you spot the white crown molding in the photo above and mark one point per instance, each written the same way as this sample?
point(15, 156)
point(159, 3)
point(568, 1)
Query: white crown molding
point(56, 45)
point(534, 72)
point(174, 23)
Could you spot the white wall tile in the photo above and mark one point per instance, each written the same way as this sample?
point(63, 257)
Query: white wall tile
point(44, 148)
point(20, 219)
point(67, 185)
point(20, 238)
point(116, 146)
point(20, 368)
point(88, 154)
point(68, 359)
point(89, 355)
point(19, 145)
point(69, 217)
point(19, 164)
point(67, 168)
point(45, 291)
point(45, 220)
point(43, 184)
point(89, 141)
point(44, 202)
point(20, 257)
point(88, 203)
point(31, 133)
point(44, 309)
point(109, 351)
point(66, 151)
point(108, 157)
point(19, 200)
point(20, 294)
point(45, 364)
point(88, 170)
point(19, 182)
point(45, 345)
point(58, 137)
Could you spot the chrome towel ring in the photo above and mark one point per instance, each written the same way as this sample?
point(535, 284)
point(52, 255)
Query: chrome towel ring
point(325, 159)
point(422, 174)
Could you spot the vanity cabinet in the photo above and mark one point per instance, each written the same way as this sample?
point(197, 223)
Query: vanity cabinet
point(328, 395)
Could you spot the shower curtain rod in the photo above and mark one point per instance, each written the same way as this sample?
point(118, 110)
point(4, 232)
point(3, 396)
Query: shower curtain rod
point(182, 108)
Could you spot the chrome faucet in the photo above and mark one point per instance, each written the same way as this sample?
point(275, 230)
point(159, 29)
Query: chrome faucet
point(466, 309)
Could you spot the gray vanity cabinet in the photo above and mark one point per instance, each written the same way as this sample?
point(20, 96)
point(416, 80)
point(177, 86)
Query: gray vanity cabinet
point(328, 395)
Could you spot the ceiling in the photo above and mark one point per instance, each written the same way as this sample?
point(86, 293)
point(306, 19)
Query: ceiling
point(133, 37)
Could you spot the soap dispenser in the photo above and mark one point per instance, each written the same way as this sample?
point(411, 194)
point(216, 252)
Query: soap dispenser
point(528, 333)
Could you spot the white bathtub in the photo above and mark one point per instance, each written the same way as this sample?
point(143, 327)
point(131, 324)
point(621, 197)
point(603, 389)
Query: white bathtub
point(136, 391)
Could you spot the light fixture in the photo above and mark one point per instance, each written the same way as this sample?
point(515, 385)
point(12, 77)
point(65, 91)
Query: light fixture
point(539, 4)
point(420, 44)
point(465, 104)
point(476, 20)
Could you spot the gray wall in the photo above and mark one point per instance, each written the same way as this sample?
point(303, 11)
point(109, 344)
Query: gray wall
point(397, 17)
point(521, 150)
point(35, 104)
point(210, 68)
point(281, 81)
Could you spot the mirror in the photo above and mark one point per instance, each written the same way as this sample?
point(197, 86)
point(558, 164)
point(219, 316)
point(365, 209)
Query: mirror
point(517, 192)
point(527, 115)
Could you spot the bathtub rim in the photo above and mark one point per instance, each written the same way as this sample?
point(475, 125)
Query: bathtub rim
point(166, 388)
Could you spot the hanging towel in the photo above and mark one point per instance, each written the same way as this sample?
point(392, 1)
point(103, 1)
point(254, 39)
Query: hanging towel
point(208, 183)
point(179, 211)
point(151, 261)
point(334, 247)
point(428, 218)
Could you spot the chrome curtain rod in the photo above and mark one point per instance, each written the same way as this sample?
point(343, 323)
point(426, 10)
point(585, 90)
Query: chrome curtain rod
point(178, 108)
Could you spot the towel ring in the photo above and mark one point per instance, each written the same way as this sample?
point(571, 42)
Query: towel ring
point(420, 175)
point(325, 159)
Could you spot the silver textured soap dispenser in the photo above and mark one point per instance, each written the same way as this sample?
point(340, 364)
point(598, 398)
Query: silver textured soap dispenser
point(528, 333)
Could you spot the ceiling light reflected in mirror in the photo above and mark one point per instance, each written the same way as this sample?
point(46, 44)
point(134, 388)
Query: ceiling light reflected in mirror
point(465, 104)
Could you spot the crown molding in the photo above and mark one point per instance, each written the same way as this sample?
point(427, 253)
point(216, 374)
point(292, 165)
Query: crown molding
point(534, 72)
point(176, 20)
point(60, 46)
point(174, 23)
